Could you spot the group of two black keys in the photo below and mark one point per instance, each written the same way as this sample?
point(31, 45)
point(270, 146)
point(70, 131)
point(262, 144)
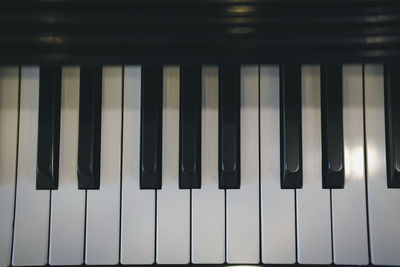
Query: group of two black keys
point(88, 173)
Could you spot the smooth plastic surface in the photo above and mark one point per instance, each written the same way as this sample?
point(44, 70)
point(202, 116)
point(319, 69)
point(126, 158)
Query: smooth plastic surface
point(242, 206)
point(103, 205)
point(9, 83)
point(229, 83)
point(384, 216)
point(349, 213)
point(278, 223)
point(67, 218)
point(173, 204)
point(312, 202)
point(138, 206)
point(392, 123)
point(89, 138)
point(32, 207)
point(290, 126)
point(208, 203)
point(151, 127)
point(47, 168)
point(332, 126)
point(190, 127)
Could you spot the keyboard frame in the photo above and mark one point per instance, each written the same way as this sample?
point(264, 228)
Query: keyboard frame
point(198, 31)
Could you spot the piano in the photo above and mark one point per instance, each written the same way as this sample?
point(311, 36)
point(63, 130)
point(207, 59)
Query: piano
point(210, 133)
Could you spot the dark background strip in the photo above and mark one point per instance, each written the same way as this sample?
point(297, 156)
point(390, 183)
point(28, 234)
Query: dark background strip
point(207, 32)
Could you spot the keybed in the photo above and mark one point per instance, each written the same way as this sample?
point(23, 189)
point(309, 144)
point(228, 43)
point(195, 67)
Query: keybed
point(199, 164)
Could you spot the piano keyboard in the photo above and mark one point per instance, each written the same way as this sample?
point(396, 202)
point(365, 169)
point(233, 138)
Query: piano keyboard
point(229, 164)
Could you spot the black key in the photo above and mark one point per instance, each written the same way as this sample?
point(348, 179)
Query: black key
point(48, 145)
point(229, 127)
point(190, 127)
point(89, 128)
point(332, 126)
point(392, 118)
point(151, 127)
point(290, 126)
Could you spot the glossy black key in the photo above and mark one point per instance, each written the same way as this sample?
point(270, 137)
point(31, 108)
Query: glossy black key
point(332, 126)
point(392, 119)
point(89, 128)
point(48, 144)
point(190, 127)
point(151, 127)
point(290, 126)
point(229, 126)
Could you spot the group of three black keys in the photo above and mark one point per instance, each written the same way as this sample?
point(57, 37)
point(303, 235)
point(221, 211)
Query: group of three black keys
point(88, 174)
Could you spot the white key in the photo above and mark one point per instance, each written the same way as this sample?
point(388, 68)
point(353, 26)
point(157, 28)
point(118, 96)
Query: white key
point(103, 205)
point(278, 235)
point(9, 81)
point(242, 205)
point(138, 206)
point(349, 216)
point(32, 206)
point(313, 202)
point(208, 203)
point(67, 223)
point(173, 204)
point(384, 214)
